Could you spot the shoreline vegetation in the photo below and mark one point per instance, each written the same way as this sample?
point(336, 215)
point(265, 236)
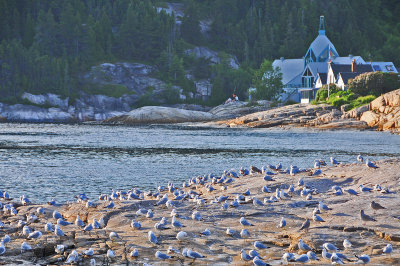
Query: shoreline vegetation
point(199, 205)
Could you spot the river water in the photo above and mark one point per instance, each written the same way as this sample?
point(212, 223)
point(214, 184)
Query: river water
point(44, 161)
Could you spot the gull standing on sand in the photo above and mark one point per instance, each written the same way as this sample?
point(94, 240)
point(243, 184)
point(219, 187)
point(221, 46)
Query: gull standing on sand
point(325, 254)
point(110, 254)
point(364, 259)
point(114, 236)
point(89, 252)
point(58, 231)
point(152, 237)
point(303, 246)
point(346, 244)
point(366, 218)
point(370, 164)
point(134, 253)
point(318, 218)
point(230, 232)
point(244, 256)
point(259, 245)
point(323, 207)
point(330, 247)
point(35, 235)
point(302, 258)
point(59, 249)
point(360, 158)
point(244, 222)
point(6, 239)
point(376, 206)
point(175, 223)
point(2, 248)
point(258, 262)
point(88, 228)
point(388, 249)
point(333, 161)
point(288, 257)
point(244, 233)
point(312, 256)
point(79, 222)
point(282, 223)
point(365, 189)
point(196, 216)
point(57, 215)
point(25, 247)
point(335, 259)
point(162, 256)
point(181, 236)
point(306, 225)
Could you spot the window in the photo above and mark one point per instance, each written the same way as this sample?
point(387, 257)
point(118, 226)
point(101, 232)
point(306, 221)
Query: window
point(389, 67)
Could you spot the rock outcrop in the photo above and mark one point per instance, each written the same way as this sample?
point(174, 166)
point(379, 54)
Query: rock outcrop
point(204, 52)
point(319, 116)
point(384, 112)
point(160, 115)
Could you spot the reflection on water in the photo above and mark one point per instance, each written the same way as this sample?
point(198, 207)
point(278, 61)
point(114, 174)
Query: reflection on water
point(49, 160)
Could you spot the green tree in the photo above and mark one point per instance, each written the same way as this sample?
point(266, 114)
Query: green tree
point(268, 81)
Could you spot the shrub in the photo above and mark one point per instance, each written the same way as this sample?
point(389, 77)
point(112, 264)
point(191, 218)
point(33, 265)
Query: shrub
point(290, 102)
point(322, 93)
point(375, 83)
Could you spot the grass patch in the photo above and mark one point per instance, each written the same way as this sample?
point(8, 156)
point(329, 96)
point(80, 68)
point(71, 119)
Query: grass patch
point(340, 98)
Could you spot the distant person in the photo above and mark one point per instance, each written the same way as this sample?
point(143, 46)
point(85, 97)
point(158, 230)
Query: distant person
point(235, 97)
point(229, 100)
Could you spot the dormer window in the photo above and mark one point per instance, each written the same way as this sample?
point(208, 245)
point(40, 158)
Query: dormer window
point(389, 68)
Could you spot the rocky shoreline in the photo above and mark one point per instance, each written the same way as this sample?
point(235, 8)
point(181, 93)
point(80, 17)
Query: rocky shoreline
point(199, 205)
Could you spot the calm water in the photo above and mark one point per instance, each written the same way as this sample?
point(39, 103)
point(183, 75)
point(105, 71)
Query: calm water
point(46, 160)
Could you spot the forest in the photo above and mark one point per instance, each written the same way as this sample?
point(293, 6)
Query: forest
point(47, 45)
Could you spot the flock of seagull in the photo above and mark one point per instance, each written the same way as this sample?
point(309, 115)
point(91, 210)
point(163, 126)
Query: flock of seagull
point(187, 192)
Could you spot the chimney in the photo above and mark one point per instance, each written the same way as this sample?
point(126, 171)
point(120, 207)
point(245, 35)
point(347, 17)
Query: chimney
point(353, 66)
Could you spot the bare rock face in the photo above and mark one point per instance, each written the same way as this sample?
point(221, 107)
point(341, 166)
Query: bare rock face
point(385, 112)
point(158, 114)
point(204, 52)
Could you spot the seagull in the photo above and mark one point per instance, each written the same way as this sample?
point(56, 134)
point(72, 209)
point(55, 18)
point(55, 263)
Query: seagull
point(35, 235)
point(316, 211)
point(149, 214)
point(172, 250)
point(136, 225)
point(58, 231)
point(376, 206)
point(318, 218)
point(335, 259)
point(193, 254)
point(49, 227)
point(152, 237)
point(59, 249)
point(25, 247)
point(288, 257)
point(257, 202)
point(162, 256)
point(244, 222)
point(225, 205)
point(259, 245)
point(302, 258)
point(72, 257)
point(206, 232)
point(303, 246)
point(244, 233)
point(370, 164)
point(134, 253)
point(346, 244)
point(2, 248)
point(323, 206)
point(40, 210)
point(312, 256)
point(6, 239)
point(333, 161)
point(244, 256)
point(26, 230)
point(300, 182)
point(330, 247)
point(114, 236)
point(96, 224)
point(57, 215)
point(317, 164)
point(175, 223)
point(351, 191)
point(360, 158)
point(110, 205)
point(258, 262)
point(366, 218)
point(88, 252)
point(388, 249)
point(282, 223)
point(230, 232)
point(88, 228)
point(181, 235)
point(364, 258)
point(326, 255)
point(305, 225)
point(79, 222)
point(365, 189)
point(62, 222)
point(196, 216)
point(110, 254)
point(266, 189)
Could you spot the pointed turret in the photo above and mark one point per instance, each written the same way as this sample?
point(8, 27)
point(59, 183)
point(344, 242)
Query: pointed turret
point(321, 30)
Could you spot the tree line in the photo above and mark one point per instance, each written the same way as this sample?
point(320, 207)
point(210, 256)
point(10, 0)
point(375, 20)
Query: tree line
point(46, 46)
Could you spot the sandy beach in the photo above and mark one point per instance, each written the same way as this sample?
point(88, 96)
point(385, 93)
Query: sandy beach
point(342, 221)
